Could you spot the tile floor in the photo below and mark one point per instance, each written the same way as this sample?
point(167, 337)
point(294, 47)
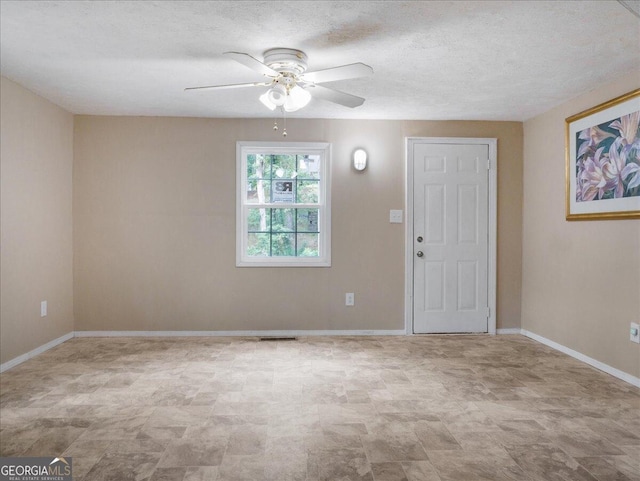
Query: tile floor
point(443, 408)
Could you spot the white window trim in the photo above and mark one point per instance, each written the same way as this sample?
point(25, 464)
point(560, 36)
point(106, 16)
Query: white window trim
point(243, 149)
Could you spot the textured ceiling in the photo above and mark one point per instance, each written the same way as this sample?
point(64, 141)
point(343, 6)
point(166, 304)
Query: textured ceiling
point(490, 60)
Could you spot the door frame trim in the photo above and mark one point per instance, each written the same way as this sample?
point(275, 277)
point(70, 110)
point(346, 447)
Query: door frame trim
point(492, 259)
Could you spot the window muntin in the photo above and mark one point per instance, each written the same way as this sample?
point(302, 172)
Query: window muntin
point(283, 204)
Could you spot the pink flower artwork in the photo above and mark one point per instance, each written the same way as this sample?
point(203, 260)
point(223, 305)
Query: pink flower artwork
point(608, 160)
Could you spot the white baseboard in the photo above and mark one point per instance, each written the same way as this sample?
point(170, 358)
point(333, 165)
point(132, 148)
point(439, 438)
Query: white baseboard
point(511, 330)
point(38, 350)
point(399, 332)
point(586, 359)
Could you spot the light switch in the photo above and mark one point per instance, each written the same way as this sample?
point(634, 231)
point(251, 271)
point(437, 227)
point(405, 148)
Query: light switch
point(395, 216)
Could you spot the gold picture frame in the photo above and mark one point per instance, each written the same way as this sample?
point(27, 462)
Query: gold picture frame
point(603, 161)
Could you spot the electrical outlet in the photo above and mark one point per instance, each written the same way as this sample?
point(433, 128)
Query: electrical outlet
point(349, 299)
point(43, 309)
point(634, 333)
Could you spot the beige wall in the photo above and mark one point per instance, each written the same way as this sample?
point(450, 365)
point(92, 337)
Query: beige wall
point(154, 230)
point(36, 161)
point(581, 279)
point(154, 227)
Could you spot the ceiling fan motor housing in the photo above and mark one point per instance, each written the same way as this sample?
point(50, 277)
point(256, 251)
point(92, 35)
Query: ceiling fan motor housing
point(286, 60)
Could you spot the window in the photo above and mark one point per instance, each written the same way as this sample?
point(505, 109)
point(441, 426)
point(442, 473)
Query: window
point(283, 206)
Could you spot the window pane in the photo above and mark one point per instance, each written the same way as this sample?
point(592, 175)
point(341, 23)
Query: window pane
point(258, 189)
point(258, 245)
point(259, 220)
point(282, 191)
point(283, 245)
point(308, 166)
point(283, 220)
point(307, 220)
point(307, 245)
point(307, 191)
point(266, 165)
point(283, 166)
point(255, 166)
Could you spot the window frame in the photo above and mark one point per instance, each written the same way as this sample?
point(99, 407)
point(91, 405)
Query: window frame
point(246, 148)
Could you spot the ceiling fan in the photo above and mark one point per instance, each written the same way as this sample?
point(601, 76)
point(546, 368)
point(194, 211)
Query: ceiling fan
point(290, 86)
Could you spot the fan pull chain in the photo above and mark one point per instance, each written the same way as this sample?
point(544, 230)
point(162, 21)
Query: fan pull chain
point(284, 117)
point(284, 120)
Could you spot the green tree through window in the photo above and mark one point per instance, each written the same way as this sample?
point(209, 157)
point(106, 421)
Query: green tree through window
point(284, 203)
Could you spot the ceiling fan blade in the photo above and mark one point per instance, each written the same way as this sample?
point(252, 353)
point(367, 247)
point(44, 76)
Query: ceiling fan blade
point(254, 64)
point(343, 72)
point(230, 86)
point(332, 95)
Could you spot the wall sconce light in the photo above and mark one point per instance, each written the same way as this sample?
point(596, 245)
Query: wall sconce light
point(360, 159)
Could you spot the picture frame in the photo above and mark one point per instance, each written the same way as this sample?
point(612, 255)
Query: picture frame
point(603, 161)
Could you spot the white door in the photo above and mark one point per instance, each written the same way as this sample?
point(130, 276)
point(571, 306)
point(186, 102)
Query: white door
point(450, 237)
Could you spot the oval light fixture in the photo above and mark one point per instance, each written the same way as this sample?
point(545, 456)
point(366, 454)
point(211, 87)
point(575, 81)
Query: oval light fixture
point(297, 98)
point(360, 159)
point(277, 95)
point(264, 98)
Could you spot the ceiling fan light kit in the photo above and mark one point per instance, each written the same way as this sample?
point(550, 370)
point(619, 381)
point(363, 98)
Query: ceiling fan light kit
point(297, 98)
point(264, 98)
point(277, 95)
point(290, 86)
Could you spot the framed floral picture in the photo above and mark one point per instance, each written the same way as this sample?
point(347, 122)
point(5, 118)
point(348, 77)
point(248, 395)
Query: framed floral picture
point(603, 160)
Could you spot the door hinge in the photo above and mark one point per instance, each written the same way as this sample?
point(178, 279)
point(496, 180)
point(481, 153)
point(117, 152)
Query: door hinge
point(488, 164)
point(488, 312)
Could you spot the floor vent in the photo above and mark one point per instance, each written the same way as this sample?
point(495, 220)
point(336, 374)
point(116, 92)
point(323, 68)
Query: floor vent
point(284, 338)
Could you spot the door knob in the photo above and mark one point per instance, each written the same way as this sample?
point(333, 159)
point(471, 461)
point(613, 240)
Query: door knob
point(419, 239)
point(419, 254)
